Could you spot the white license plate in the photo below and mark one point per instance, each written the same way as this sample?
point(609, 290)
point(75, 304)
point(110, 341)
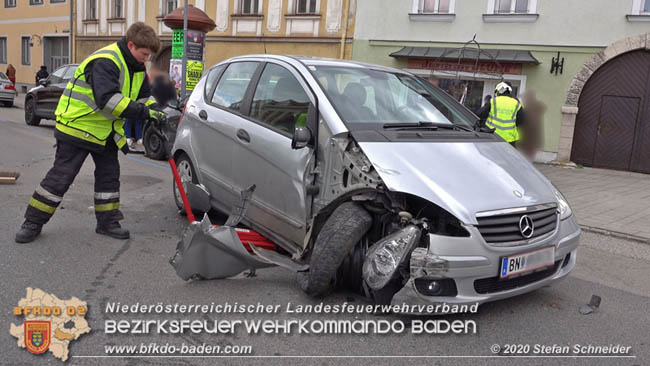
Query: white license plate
point(526, 262)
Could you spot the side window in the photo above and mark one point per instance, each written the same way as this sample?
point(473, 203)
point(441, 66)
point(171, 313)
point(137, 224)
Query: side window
point(57, 76)
point(231, 88)
point(211, 78)
point(280, 101)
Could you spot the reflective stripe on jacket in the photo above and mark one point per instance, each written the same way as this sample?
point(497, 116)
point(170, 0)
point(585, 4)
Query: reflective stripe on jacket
point(503, 117)
point(77, 113)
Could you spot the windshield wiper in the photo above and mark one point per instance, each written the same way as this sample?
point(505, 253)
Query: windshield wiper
point(425, 125)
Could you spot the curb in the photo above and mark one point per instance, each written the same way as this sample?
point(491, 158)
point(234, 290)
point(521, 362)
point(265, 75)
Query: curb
point(616, 234)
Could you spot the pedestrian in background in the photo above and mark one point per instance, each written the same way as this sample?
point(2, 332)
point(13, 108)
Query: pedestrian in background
point(42, 74)
point(533, 130)
point(133, 134)
point(484, 110)
point(11, 73)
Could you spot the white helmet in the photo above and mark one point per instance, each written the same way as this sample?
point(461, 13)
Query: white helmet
point(502, 88)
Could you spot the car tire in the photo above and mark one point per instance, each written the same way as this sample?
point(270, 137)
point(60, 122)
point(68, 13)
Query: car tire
point(30, 113)
point(185, 171)
point(154, 144)
point(340, 233)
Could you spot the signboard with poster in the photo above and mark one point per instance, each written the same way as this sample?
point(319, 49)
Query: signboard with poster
point(195, 47)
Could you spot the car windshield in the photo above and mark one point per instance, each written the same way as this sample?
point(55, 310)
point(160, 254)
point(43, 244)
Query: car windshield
point(364, 97)
point(69, 73)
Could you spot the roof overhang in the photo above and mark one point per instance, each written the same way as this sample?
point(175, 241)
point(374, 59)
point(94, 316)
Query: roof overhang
point(467, 54)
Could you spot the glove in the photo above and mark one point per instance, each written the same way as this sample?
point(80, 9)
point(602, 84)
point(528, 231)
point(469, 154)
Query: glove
point(157, 117)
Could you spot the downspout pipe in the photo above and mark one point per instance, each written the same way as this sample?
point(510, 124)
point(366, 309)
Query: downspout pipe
point(346, 13)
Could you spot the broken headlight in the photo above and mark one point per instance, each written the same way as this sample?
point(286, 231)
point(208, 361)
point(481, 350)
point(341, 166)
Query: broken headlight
point(385, 256)
point(562, 205)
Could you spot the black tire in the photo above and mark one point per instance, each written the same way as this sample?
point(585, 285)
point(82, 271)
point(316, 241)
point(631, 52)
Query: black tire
point(30, 113)
point(184, 164)
point(342, 231)
point(154, 145)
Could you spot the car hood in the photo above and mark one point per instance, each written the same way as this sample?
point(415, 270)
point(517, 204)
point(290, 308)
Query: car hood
point(461, 177)
point(35, 88)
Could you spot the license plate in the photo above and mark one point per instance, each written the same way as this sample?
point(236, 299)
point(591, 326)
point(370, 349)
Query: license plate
point(526, 262)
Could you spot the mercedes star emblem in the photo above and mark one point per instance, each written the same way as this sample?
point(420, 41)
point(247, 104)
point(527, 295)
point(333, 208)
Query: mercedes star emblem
point(526, 226)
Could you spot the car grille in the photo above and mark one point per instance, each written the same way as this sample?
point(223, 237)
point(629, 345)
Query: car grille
point(503, 229)
point(496, 284)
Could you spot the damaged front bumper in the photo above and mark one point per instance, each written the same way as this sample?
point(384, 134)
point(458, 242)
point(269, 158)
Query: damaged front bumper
point(465, 270)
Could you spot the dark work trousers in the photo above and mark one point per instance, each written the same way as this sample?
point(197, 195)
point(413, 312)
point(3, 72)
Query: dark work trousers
point(67, 163)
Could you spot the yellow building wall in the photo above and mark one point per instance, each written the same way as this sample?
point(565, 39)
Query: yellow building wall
point(30, 20)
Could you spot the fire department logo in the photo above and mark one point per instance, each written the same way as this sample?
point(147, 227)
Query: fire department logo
point(37, 335)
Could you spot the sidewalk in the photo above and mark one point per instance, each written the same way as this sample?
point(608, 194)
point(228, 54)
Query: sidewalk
point(605, 201)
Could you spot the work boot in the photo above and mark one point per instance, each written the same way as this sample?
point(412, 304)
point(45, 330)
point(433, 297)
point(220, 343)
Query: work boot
point(114, 230)
point(28, 232)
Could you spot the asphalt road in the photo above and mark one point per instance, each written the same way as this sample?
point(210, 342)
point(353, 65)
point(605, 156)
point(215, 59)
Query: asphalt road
point(69, 259)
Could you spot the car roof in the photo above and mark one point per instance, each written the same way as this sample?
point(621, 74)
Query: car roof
point(318, 61)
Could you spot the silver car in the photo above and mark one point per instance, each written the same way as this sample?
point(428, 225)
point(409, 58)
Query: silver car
point(7, 91)
point(371, 179)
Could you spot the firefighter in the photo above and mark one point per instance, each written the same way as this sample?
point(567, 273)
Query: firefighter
point(504, 114)
point(108, 86)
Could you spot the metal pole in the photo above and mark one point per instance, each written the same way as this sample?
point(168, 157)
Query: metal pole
point(70, 34)
point(184, 67)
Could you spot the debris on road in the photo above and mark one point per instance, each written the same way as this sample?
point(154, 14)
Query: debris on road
point(9, 177)
point(592, 306)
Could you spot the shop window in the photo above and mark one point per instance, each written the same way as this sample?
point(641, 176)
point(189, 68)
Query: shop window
point(10, 3)
point(645, 9)
point(91, 9)
point(26, 51)
point(306, 7)
point(249, 7)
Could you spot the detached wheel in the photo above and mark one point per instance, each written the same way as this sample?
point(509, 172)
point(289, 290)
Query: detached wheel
point(154, 145)
point(30, 113)
point(342, 231)
point(187, 174)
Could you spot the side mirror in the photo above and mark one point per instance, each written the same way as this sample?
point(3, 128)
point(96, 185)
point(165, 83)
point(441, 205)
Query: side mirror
point(302, 136)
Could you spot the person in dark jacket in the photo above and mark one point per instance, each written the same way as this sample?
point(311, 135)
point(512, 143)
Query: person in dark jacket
point(108, 86)
point(42, 74)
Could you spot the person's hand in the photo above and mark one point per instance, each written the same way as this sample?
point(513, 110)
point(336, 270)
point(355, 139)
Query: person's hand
point(157, 117)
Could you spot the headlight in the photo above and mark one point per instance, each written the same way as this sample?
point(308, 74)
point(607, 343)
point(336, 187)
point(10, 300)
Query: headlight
point(386, 255)
point(563, 205)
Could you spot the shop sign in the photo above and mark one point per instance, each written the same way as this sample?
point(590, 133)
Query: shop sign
point(466, 66)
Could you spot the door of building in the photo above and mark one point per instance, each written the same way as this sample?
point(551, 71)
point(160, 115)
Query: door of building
point(55, 52)
point(613, 124)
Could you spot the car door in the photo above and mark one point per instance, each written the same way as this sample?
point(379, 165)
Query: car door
point(214, 130)
point(48, 96)
point(264, 157)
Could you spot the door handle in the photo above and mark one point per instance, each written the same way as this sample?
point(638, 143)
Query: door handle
point(203, 115)
point(243, 135)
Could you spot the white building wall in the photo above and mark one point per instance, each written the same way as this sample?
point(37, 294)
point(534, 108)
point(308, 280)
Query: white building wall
point(593, 23)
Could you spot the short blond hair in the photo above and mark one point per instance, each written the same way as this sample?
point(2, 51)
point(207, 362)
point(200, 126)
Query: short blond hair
point(143, 36)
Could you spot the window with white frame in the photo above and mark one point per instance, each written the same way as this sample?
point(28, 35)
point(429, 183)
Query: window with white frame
point(116, 9)
point(511, 7)
point(306, 7)
point(26, 51)
point(91, 9)
point(249, 7)
point(10, 3)
point(3, 50)
point(169, 6)
point(435, 6)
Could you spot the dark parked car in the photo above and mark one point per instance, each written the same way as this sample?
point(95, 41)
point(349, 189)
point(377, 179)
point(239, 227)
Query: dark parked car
point(41, 101)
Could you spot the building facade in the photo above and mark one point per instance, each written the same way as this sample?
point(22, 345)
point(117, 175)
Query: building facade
point(33, 33)
point(301, 27)
point(554, 48)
